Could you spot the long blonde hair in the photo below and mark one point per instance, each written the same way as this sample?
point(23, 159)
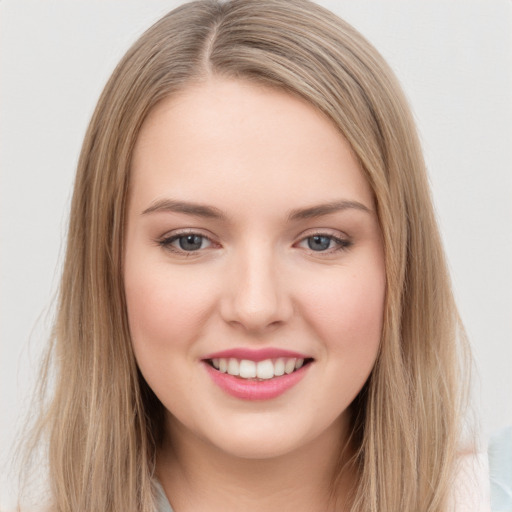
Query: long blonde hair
point(102, 423)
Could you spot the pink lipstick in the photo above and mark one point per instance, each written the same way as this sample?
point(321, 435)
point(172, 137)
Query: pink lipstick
point(262, 374)
point(255, 354)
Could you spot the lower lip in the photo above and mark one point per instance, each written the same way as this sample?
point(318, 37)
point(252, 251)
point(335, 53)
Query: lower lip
point(256, 389)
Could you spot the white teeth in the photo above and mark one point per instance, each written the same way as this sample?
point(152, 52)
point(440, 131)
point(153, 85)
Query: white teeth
point(247, 369)
point(289, 365)
point(265, 369)
point(233, 367)
point(279, 367)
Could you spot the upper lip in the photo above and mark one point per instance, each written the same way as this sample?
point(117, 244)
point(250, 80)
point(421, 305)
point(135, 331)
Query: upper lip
point(256, 354)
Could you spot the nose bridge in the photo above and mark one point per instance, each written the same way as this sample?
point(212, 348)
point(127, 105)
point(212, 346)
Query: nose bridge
point(257, 297)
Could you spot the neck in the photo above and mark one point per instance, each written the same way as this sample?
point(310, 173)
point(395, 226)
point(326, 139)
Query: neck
point(198, 476)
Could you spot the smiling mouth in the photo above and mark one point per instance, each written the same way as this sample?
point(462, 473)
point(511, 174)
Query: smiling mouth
point(258, 371)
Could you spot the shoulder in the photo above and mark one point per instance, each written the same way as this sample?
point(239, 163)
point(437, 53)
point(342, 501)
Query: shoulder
point(161, 502)
point(471, 490)
point(500, 469)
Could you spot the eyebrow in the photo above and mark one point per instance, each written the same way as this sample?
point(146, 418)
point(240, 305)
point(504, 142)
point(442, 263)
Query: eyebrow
point(202, 210)
point(326, 209)
point(199, 210)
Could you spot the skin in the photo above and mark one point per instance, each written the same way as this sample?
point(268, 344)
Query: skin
point(256, 155)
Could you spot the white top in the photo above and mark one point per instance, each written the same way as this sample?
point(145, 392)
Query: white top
point(471, 491)
point(500, 470)
point(162, 503)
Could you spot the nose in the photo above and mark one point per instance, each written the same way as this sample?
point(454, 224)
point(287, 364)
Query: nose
point(256, 296)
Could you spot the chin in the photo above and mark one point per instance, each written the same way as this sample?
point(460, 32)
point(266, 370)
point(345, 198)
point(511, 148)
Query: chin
point(256, 437)
point(258, 447)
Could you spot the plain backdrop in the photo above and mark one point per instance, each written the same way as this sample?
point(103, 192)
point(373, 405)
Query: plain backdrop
point(454, 61)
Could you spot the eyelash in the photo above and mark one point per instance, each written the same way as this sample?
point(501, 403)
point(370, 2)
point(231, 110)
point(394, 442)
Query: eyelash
point(167, 241)
point(342, 244)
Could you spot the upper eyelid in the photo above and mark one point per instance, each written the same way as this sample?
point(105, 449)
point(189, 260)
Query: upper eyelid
point(184, 232)
point(329, 232)
point(167, 240)
point(337, 239)
point(334, 233)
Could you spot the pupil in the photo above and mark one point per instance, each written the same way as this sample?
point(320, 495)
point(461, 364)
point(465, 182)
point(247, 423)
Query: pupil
point(191, 242)
point(319, 243)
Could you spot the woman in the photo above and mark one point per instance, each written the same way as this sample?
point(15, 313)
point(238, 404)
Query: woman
point(255, 310)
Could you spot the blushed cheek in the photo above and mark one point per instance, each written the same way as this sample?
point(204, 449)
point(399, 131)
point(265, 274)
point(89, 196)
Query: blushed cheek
point(348, 313)
point(163, 313)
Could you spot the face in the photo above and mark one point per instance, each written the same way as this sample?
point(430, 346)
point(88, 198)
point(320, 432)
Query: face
point(254, 270)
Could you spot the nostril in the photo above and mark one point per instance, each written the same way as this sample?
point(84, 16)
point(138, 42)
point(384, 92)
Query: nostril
point(255, 297)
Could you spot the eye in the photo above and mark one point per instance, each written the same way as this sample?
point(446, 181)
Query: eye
point(319, 242)
point(186, 242)
point(324, 243)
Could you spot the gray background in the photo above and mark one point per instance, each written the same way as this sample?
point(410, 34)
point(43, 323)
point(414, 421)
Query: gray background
point(454, 61)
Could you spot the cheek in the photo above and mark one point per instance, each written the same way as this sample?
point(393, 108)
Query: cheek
point(166, 310)
point(166, 313)
point(346, 309)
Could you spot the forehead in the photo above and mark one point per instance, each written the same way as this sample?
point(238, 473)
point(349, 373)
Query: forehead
point(235, 142)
